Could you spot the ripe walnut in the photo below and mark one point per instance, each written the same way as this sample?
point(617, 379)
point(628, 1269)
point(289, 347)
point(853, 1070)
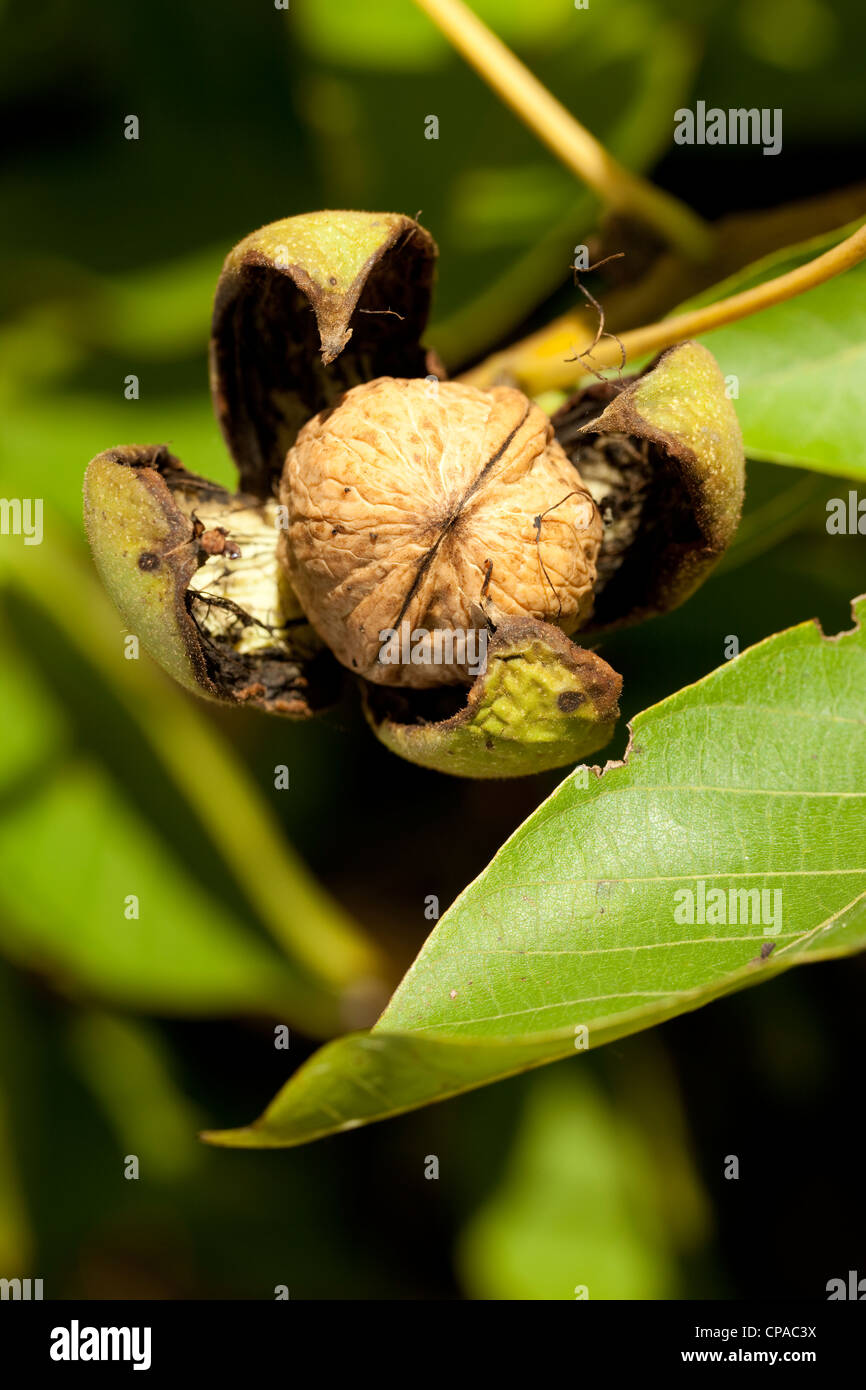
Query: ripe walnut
point(411, 501)
point(413, 505)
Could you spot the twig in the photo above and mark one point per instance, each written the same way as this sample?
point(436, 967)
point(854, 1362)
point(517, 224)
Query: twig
point(571, 142)
point(536, 365)
point(656, 336)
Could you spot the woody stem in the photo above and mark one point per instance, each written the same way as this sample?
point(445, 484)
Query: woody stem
point(572, 143)
point(547, 362)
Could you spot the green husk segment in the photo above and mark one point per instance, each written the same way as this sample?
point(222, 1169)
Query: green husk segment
point(541, 703)
point(691, 486)
point(139, 538)
point(681, 404)
point(367, 278)
point(225, 625)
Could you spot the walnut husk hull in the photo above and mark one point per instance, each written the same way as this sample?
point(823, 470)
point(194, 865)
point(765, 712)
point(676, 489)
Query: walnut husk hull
point(664, 460)
point(192, 570)
point(615, 511)
point(541, 703)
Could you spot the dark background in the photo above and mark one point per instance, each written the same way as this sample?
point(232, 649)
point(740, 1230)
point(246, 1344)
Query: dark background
point(609, 1173)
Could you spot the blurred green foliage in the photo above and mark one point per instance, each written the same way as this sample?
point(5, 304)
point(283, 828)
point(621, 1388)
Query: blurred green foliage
point(581, 1211)
point(110, 251)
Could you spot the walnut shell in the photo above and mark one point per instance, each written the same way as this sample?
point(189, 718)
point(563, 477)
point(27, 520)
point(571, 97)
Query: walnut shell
point(412, 501)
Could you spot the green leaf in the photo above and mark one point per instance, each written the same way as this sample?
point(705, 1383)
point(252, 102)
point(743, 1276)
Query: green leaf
point(579, 1207)
point(184, 952)
point(125, 1065)
point(403, 36)
point(188, 951)
point(750, 779)
point(79, 799)
point(800, 366)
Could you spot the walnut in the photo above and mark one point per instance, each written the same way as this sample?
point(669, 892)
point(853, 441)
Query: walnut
point(413, 505)
point(413, 502)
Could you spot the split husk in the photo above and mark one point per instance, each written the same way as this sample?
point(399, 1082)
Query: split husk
point(305, 309)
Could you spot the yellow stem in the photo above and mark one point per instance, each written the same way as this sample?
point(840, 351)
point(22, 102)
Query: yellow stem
point(571, 142)
point(547, 360)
